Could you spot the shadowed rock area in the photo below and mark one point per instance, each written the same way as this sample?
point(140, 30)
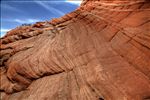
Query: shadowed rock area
point(100, 51)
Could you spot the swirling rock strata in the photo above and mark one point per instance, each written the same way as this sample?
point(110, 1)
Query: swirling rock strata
point(100, 51)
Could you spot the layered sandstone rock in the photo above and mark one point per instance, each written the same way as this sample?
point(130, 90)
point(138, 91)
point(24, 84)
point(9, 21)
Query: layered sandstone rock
point(101, 51)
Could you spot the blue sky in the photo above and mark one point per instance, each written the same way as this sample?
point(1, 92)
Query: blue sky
point(17, 12)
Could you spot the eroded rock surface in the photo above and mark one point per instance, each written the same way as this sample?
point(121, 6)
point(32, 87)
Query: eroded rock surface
point(101, 51)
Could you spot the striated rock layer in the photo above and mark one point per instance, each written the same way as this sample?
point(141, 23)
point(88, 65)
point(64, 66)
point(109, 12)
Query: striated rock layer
point(100, 51)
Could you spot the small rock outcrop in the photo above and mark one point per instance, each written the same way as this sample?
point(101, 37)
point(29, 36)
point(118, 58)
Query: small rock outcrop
point(100, 51)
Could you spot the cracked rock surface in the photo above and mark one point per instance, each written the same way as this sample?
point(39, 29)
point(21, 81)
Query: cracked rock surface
point(100, 51)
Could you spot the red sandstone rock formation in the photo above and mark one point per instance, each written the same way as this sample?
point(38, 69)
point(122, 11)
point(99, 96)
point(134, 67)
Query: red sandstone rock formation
point(101, 51)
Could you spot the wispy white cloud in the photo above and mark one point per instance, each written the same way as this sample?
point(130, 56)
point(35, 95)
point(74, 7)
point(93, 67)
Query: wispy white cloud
point(4, 30)
point(25, 21)
point(76, 2)
point(50, 9)
point(11, 8)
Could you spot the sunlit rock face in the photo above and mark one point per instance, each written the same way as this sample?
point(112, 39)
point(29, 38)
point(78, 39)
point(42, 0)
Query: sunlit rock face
point(101, 51)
